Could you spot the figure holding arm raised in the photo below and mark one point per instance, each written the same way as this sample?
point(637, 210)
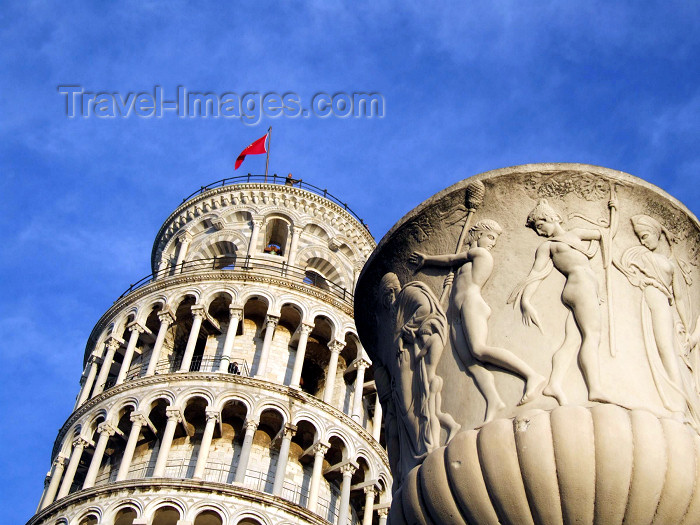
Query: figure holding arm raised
point(474, 268)
point(569, 252)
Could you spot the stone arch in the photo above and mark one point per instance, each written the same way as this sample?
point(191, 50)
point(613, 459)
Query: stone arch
point(271, 404)
point(208, 506)
point(121, 404)
point(260, 293)
point(318, 230)
point(214, 293)
point(93, 511)
point(184, 397)
point(362, 452)
point(116, 507)
point(239, 397)
point(91, 422)
point(176, 299)
point(251, 517)
point(147, 402)
point(154, 507)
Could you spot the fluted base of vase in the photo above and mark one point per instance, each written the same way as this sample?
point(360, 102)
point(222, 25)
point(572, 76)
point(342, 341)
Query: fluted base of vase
point(601, 465)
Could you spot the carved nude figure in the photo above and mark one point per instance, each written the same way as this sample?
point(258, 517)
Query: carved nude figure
point(652, 268)
point(569, 252)
point(475, 266)
point(419, 330)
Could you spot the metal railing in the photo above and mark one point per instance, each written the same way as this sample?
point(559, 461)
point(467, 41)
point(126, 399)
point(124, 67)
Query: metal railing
point(198, 364)
point(275, 179)
point(219, 472)
point(244, 267)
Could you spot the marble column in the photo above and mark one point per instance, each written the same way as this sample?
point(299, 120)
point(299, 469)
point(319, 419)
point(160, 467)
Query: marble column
point(304, 331)
point(184, 240)
point(320, 450)
point(166, 319)
point(370, 493)
point(250, 428)
point(296, 233)
point(79, 445)
point(174, 418)
point(335, 348)
point(138, 420)
point(377, 418)
point(270, 324)
point(136, 330)
point(93, 363)
point(59, 465)
point(236, 316)
point(257, 223)
point(282, 457)
point(347, 471)
point(198, 315)
point(112, 345)
point(106, 431)
point(383, 515)
point(205, 445)
point(359, 385)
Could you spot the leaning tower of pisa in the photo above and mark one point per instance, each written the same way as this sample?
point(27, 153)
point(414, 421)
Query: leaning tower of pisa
point(230, 387)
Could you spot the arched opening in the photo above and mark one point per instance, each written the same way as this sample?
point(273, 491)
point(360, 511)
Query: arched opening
point(249, 521)
point(329, 499)
point(357, 496)
point(166, 516)
point(208, 517)
point(267, 438)
point(125, 516)
point(146, 453)
point(90, 519)
point(301, 460)
point(316, 358)
point(276, 233)
point(185, 448)
point(254, 313)
point(233, 419)
point(347, 365)
point(313, 278)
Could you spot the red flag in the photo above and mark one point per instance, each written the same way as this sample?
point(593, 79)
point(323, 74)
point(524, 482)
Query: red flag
point(256, 148)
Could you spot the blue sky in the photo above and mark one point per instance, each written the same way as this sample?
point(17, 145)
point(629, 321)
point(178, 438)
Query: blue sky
point(468, 87)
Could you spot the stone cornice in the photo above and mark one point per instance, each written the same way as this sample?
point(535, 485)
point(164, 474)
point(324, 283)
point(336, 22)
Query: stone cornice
point(242, 276)
point(151, 486)
point(194, 208)
point(207, 377)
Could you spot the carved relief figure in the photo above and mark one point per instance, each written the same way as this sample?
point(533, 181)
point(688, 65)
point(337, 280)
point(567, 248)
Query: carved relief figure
point(653, 269)
point(419, 335)
point(569, 252)
point(469, 315)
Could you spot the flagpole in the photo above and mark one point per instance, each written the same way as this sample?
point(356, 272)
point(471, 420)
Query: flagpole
point(267, 160)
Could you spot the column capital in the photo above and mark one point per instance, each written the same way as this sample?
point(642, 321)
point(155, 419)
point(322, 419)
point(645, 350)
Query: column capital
point(384, 511)
point(236, 312)
point(251, 423)
point(80, 441)
point(94, 359)
point(135, 326)
point(60, 461)
point(184, 237)
point(198, 310)
point(363, 363)
point(166, 317)
point(336, 346)
point(138, 417)
point(290, 430)
point(348, 469)
point(369, 489)
point(271, 320)
point(258, 221)
point(306, 328)
point(320, 448)
point(174, 414)
point(114, 342)
point(295, 229)
point(212, 414)
point(106, 428)
point(218, 223)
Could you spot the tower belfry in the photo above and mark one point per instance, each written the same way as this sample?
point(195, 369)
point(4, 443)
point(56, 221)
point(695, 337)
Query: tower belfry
point(230, 386)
